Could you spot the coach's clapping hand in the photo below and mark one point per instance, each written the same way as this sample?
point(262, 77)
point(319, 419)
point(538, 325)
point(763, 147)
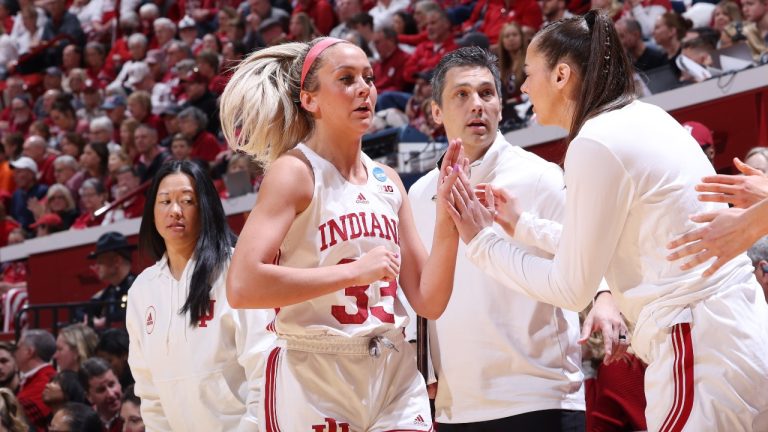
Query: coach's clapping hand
point(378, 264)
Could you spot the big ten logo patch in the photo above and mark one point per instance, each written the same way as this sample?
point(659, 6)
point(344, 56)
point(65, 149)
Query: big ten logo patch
point(150, 316)
point(209, 316)
point(387, 189)
point(331, 426)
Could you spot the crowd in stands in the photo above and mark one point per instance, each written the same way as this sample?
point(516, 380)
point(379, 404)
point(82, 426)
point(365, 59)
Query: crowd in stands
point(98, 94)
point(82, 392)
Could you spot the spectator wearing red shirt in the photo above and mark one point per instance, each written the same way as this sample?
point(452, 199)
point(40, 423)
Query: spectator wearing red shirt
point(388, 70)
point(428, 54)
point(321, 13)
point(202, 11)
point(208, 66)
point(104, 392)
point(33, 356)
point(140, 106)
point(489, 16)
point(6, 19)
point(6, 224)
point(93, 196)
point(120, 53)
point(127, 181)
point(95, 64)
point(36, 148)
point(412, 29)
point(21, 115)
point(192, 124)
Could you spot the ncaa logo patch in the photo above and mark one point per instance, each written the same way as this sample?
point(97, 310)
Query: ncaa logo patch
point(380, 175)
point(150, 317)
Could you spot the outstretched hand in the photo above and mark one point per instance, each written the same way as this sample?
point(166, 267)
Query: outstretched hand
point(742, 191)
point(724, 237)
point(506, 208)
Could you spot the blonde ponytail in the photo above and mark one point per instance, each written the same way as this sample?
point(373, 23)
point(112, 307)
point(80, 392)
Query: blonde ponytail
point(260, 110)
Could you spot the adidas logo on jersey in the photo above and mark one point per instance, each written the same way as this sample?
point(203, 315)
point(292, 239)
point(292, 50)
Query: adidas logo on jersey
point(361, 199)
point(419, 421)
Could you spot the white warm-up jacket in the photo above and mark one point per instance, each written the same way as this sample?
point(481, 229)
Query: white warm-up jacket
point(205, 377)
point(497, 352)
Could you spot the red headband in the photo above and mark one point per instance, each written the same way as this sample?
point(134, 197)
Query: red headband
point(314, 53)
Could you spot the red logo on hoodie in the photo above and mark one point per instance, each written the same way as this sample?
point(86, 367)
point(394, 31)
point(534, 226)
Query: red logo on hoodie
point(207, 317)
point(151, 316)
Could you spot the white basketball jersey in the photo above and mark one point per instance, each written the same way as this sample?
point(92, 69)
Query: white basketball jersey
point(342, 223)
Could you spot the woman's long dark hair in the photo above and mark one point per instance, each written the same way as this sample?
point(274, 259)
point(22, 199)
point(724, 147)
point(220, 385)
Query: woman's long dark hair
point(102, 151)
point(511, 64)
point(214, 243)
point(70, 386)
point(590, 45)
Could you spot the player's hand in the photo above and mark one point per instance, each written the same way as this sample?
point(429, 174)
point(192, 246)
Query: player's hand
point(454, 156)
point(723, 237)
point(742, 191)
point(507, 209)
point(444, 198)
point(378, 264)
point(469, 215)
point(606, 318)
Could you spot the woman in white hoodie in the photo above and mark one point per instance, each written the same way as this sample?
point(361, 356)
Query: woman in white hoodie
point(197, 362)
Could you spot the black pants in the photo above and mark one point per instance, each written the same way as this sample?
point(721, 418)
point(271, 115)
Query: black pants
point(537, 421)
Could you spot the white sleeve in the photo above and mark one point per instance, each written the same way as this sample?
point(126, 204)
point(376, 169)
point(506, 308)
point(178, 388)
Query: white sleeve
point(646, 16)
point(540, 233)
point(253, 344)
point(541, 226)
point(598, 197)
point(151, 408)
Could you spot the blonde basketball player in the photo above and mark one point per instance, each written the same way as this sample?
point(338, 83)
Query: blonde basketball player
point(326, 243)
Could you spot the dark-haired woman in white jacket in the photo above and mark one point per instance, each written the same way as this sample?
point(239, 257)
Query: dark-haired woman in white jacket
point(197, 362)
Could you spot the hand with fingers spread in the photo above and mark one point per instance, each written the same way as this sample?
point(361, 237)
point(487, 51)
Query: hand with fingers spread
point(507, 210)
point(469, 215)
point(742, 191)
point(377, 264)
point(606, 318)
point(726, 235)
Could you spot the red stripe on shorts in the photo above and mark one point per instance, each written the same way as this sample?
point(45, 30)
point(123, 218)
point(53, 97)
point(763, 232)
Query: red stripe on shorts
point(270, 411)
point(683, 376)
